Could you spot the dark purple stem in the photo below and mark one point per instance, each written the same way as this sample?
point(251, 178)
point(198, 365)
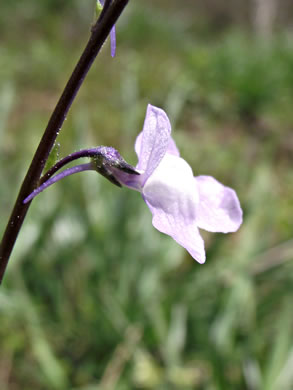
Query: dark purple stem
point(108, 17)
point(64, 161)
point(61, 175)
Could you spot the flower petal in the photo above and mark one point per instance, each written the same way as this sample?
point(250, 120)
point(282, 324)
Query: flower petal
point(172, 148)
point(172, 197)
point(152, 145)
point(219, 208)
point(185, 235)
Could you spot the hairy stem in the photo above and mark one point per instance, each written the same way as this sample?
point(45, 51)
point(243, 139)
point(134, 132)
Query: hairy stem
point(108, 17)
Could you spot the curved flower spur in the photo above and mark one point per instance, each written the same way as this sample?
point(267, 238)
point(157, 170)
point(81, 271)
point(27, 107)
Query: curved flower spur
point(179, 202)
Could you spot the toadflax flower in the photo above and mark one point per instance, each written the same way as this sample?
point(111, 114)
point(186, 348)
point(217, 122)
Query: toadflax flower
point(179, 202)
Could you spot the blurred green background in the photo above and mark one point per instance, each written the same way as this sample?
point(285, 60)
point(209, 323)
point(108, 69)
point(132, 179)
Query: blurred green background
point(95, 298)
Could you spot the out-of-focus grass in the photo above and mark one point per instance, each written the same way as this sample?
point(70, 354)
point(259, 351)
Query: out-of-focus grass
point(94, 297)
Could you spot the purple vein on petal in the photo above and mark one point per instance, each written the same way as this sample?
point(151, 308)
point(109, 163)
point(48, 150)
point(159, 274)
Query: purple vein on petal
point(59, 176)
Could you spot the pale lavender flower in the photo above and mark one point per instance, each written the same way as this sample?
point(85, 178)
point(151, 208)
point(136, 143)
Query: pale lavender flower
point(179, 202)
